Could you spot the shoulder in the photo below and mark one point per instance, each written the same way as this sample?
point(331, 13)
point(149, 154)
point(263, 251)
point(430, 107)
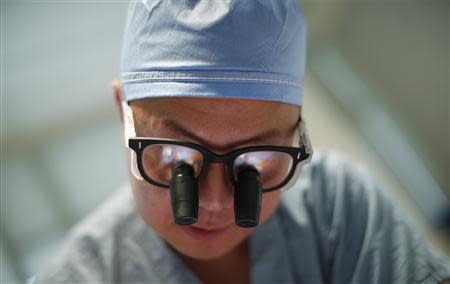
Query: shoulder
point(89, 252)
point(329, 184)
point(361, 236)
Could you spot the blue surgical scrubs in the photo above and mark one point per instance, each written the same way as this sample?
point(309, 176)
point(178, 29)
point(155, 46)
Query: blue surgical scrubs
point(334, 226)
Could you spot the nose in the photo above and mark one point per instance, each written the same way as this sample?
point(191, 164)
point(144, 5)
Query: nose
point(215, 189)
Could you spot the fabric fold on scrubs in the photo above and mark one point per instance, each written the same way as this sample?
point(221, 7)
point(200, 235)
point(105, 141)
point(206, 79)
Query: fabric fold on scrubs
point(334, 226)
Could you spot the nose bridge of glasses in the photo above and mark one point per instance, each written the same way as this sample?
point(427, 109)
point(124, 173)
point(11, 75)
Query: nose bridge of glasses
point(219, 159)
point(213, 158)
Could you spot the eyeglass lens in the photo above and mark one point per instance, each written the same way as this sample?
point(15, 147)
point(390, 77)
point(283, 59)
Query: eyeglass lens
point(273, 166)
point(158, 160)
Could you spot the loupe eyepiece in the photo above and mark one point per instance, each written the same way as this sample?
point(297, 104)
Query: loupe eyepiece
point(247, 197)
point(184, 194)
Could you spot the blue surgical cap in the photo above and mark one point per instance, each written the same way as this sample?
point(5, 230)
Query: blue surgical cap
point(247, 49)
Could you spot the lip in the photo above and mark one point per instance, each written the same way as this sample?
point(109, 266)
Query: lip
point(203, 234)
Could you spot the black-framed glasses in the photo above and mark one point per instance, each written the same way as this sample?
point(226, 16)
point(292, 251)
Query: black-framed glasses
point(154, 158)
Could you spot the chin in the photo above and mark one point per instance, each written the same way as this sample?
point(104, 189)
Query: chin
point(201, 247)
point(199, 253)
point(204, 253)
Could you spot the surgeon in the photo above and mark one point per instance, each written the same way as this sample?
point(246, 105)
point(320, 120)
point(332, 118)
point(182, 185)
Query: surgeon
point(224, 184)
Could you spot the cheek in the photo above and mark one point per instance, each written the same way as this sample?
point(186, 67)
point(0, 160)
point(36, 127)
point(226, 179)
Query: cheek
point(153, 204)
point(269, 205)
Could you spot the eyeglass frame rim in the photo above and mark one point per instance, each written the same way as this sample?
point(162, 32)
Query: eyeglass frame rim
point(138, 144)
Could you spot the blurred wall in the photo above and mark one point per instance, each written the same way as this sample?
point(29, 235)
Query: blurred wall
point(376, 90)
point(61, 134)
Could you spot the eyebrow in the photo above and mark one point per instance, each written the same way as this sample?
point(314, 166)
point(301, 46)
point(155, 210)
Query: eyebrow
point(176, 127)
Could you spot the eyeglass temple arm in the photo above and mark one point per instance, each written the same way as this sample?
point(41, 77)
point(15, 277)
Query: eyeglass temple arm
point(304, 141)
point(304, 137)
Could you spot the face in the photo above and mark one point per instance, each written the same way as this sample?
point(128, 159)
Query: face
point(221, 125)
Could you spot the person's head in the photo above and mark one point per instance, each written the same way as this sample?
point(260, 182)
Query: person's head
point(212, 75)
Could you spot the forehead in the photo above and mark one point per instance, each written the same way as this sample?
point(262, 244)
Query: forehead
point(218, 121)
point(214, 109)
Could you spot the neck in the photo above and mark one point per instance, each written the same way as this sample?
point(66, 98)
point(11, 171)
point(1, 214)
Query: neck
point(234, 267)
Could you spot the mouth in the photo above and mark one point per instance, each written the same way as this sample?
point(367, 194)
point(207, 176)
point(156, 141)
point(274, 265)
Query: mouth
point(199, 233)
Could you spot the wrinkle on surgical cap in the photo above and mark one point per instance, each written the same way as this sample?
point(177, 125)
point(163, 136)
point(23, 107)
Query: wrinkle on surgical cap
point(214, 49)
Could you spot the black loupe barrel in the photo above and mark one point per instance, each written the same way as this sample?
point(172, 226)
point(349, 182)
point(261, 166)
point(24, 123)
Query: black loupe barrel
point(247, 198)
point(184, 194)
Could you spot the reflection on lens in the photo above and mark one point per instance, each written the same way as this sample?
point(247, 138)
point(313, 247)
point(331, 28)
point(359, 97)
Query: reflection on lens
point(274, 167)
point(158, 159)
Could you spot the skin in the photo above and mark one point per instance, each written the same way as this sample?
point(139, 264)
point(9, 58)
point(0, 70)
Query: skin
point(221, 125)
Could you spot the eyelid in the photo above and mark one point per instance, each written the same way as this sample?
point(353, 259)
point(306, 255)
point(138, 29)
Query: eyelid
point(251, 142)
point(173, 130)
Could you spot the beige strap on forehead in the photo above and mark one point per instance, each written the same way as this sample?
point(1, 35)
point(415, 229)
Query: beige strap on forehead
point(128, 121)
point(130, 132)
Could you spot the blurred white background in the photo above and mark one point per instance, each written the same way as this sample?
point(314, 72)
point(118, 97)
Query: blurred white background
point(377, 90)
